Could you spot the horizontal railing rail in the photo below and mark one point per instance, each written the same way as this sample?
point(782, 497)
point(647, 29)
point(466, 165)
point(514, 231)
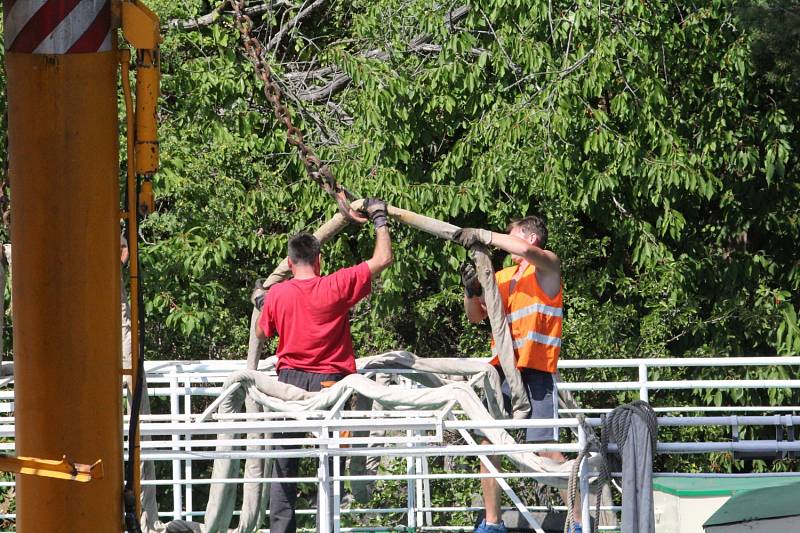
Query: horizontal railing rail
point(179, 439)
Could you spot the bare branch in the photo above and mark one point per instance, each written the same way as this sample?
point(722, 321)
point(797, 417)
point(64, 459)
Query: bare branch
point(516, 69)
point(197, 22)
point(621, 208)
point(325, 133)
point(322, 94)
point(624, 79)
point(303, 13)
point(309, 74)
point(214, 15)
point(417, 44)
point(452, 18)
point(437, 48)
point(340, 113)
point(561, 73)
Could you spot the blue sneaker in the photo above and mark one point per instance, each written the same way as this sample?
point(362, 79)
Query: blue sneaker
point(483, 527)
point(576, 528)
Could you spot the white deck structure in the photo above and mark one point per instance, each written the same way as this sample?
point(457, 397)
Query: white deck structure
point(188, 388)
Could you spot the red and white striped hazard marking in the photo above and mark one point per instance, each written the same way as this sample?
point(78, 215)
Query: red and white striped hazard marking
point(57, 26)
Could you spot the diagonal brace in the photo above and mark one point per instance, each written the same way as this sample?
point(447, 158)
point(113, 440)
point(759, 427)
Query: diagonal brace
point(504, 485)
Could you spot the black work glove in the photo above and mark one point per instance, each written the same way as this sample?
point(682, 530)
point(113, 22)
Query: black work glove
point(376, 210)
point(469, 278)
point(257, 296)
point(469, 237)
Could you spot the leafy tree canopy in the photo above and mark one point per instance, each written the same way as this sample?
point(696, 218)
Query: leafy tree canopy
point(656, 138)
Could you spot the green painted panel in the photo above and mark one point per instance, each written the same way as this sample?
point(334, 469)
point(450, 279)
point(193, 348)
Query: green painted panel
point(758, 504)
point(719, 485)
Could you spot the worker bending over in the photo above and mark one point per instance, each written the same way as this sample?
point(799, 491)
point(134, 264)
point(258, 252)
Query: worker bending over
point(309, 313)
point(532, 299)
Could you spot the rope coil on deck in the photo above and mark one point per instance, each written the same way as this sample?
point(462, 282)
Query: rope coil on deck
point(636, 417)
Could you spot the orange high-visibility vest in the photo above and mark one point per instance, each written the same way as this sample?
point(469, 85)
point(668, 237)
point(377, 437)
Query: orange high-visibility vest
point(535, 320)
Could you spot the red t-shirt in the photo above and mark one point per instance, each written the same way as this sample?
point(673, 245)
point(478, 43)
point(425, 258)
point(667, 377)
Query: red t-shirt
point(310, 317)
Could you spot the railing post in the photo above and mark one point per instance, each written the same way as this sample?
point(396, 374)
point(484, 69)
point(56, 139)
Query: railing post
point(584, 484)
point(411, 484)
point(426, 518)
point(412, 491)
point(643, 391)
point(337, 488)
point(419, 484)
point(324, 492)
point(175, 412)
point(187, 465)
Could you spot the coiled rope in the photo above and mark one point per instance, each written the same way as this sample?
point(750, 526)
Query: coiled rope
point(614, 428)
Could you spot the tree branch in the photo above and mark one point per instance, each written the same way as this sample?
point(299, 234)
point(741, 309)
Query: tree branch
point(516, 69)
point(324, 93)
point(303, 13)
point(417, 44)
point(197, 22)
point(214, 15)
point(309, 74)
point(325, 133)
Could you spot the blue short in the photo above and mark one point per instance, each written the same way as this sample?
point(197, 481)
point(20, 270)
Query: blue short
point(541, 389)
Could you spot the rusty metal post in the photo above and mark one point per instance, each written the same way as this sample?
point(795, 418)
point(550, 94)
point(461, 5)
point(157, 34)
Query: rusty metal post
point(61, 63)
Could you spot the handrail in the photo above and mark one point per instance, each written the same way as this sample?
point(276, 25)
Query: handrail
point(193, 381)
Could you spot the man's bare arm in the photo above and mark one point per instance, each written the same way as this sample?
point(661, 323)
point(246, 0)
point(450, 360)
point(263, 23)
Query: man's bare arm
point(473, 293)
point(541, 259)
point(382, 256)
point(475, 309)
point(548, 266)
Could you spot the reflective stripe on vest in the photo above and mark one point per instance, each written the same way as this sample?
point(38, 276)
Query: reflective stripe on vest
point(532, 336)
point(535, 308)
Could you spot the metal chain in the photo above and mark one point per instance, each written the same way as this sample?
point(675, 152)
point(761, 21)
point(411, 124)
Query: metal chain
point(5, 204)
point(316, 169)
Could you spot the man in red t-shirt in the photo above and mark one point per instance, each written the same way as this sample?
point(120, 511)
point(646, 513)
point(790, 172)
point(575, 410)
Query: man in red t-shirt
point(309, 313)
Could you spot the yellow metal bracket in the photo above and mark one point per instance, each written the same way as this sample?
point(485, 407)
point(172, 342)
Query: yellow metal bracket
point(140, 26)
point(62, 469)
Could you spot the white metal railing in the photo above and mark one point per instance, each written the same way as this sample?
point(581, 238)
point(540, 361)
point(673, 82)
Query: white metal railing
point(189, 388)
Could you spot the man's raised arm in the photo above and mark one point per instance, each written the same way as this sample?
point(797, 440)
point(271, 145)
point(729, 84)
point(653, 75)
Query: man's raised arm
point(542, 259)
point(382, 255)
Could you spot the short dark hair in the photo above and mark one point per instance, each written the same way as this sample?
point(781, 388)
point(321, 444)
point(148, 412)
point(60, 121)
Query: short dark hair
point(531, 224)
point(303, 249)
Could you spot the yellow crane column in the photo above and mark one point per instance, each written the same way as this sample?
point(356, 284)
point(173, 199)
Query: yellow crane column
point(61, 64)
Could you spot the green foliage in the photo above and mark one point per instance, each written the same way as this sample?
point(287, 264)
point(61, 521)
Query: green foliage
point(775, 29)
point(659, 139)
point(5, 234)
point(649, 135)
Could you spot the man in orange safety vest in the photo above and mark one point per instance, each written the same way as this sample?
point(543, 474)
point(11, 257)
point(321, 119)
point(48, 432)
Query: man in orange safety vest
point(532, 298)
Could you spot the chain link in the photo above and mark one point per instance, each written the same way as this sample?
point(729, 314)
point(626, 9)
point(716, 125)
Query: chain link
point(316, 169)
point(5, 204)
